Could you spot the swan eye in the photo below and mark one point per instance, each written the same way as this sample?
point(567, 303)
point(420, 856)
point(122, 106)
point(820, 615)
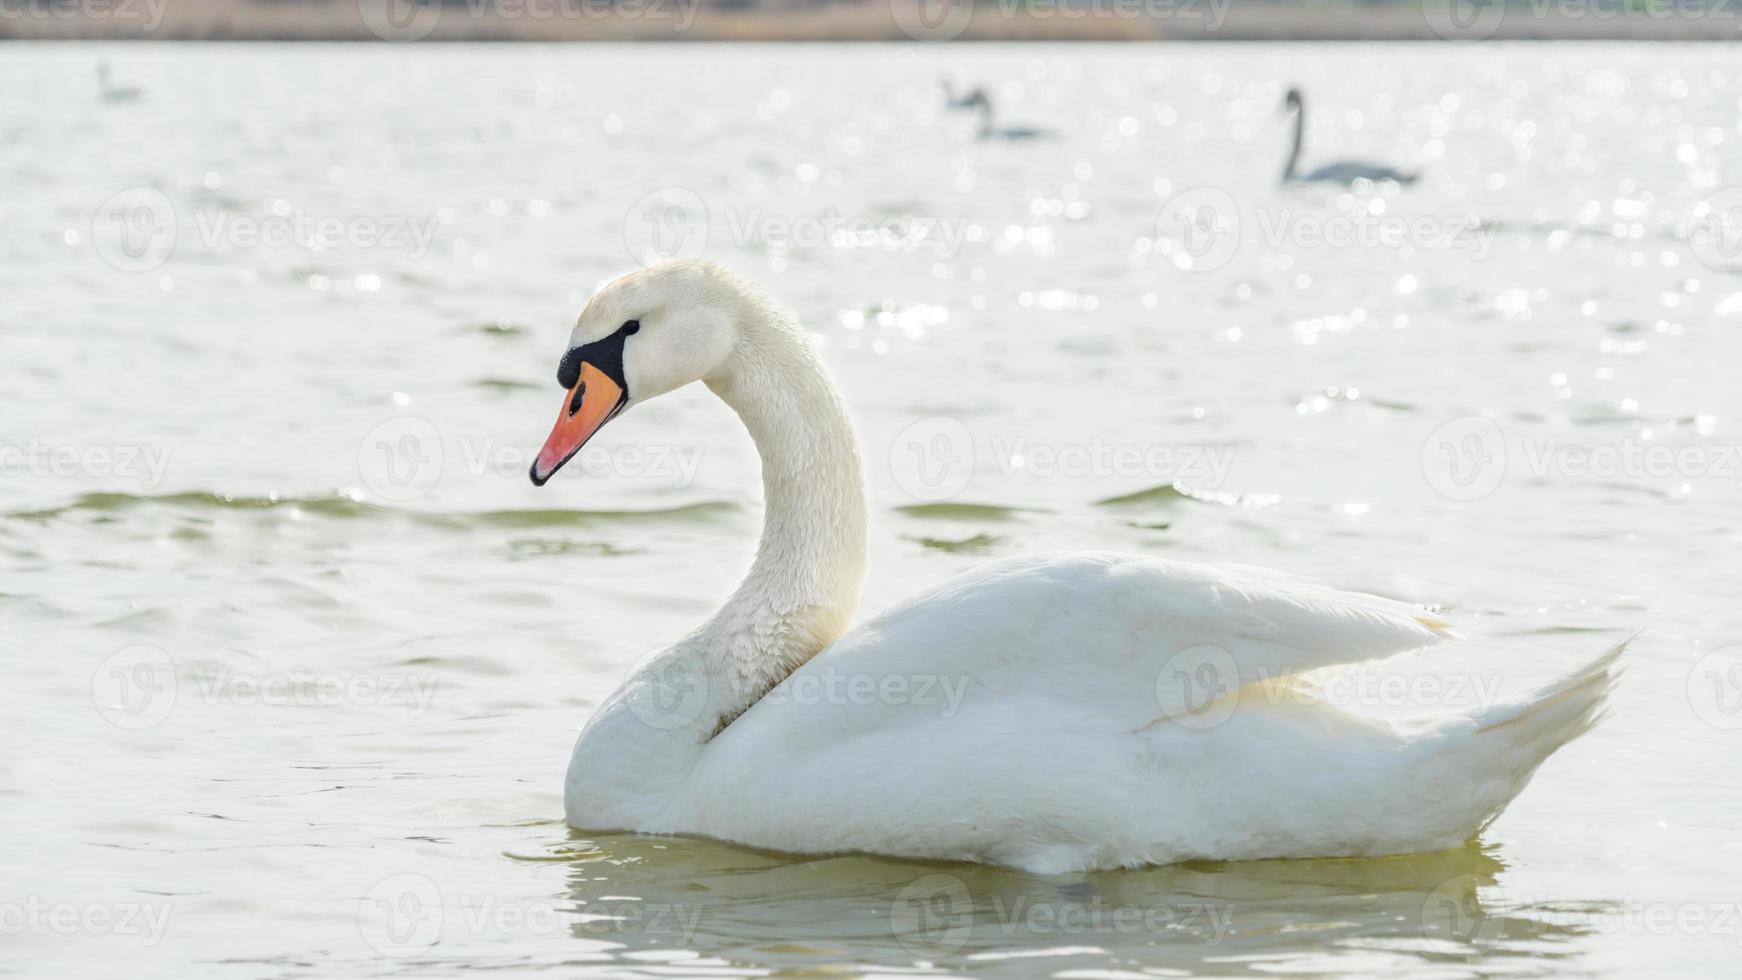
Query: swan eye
point(632, 327)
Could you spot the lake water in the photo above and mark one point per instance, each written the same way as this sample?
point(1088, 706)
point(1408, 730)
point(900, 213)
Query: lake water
point(294, 654)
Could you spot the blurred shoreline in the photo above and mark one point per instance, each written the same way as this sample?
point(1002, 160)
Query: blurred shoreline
point(855, 21)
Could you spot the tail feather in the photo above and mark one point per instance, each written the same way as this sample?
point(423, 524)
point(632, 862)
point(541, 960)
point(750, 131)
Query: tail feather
point(1564, 709)
point(1496, 759)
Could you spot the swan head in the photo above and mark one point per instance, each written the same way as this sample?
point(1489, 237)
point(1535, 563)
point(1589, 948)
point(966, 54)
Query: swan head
point(644, 334)
point(1292, 101)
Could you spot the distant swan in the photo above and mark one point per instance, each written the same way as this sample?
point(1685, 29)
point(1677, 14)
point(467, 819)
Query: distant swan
point(989, 131)
point(961, 100)
point(1027, 713)
point(110, 92)
point(1342, 172)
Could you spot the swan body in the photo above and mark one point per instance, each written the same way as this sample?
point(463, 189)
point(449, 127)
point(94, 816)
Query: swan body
point(108, 91)
point(1053, 712)
point(1342, 172)
point(1349, 171)
point(990, 130)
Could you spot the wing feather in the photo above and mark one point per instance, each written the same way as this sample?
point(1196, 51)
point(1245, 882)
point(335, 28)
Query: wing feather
point(1082, 637)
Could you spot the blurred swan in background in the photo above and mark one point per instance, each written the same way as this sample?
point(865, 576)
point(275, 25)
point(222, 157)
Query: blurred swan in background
point(1048, 712)
point(960, 100)
point(1341, 172)
point(108, 91)
point(989, 130)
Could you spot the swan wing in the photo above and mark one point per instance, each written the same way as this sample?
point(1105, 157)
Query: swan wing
point(1106, 636)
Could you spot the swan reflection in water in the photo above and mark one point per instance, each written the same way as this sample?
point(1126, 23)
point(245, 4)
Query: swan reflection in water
point(643, 898)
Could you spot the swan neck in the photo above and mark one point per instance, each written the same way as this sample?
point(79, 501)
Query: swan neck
point(803, 586)
point(1294, 152)
point(799, 595)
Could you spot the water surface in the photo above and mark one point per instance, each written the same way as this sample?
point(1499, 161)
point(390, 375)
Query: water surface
point(294, 654)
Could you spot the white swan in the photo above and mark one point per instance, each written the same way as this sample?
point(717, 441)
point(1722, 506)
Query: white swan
point(1027, 713)
point(1342, 172)
point(108, 91)
point(960, 100)
point(980, 101)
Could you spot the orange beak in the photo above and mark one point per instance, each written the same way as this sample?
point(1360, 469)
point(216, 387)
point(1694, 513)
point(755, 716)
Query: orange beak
point(594, 400)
